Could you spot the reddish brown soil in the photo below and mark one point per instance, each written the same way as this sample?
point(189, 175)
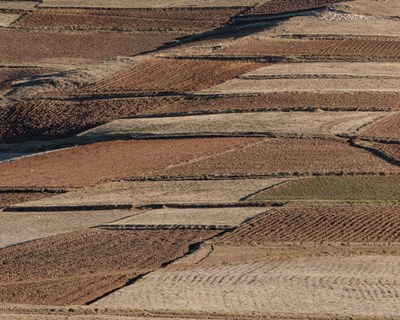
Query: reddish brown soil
point(52, 119)
point(9, 198)
point(90, 164)
point(348, 224)
point(346, 48)
point(171, 19)
point(20, 46)
point(281, 6)
point(78, 267)
point(284, 155)
point(174, 75)
point(9, 75)
point(392, 150)
point(386, 128)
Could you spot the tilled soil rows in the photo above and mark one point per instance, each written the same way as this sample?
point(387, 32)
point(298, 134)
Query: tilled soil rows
point(285, 155)
point(53, 119)
point(90, 164)
point(349, 189)
point(321, 47)
point(282, 6)
point(21, 46)
point(335, 224)
point(9, 75)
point(386, 128)
point(139, 19)
point(78, 267)
point(173, 75)
point(9, 198)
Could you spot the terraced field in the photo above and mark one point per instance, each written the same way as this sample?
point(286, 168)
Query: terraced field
point(392, 150)
point(8, 197)
point(9, 75)
point(350, 189)
point(386, 128)
point(314, 224)
point(61, 270)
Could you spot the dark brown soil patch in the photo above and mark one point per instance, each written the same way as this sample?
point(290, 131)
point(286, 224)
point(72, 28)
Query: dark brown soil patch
point(386, 128)
point(90, 164)
point(281, 6)
point(337, 224)
point(166, 19)
point(345, 48)
point(282, 155)
point(173, 75)
point(78, 267)
point(21, 46)
point(9, 198)
point(392, 150)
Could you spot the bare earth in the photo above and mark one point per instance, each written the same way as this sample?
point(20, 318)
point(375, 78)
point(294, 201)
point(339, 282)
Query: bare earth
point(385, 128)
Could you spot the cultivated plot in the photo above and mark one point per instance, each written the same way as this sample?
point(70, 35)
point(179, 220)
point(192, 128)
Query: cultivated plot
point(285, 155)
point(173, 75)
point(13, 197)
point(78, 267)
point(9, 75)
point(324, 223)
point(391, 150)
point(183, 20)
point(148, 3)
point(6, 19)
point(385, 128)
point(140, 193)
point(234, 124)
point(388, 8)
point(245, 280)
point(18, 5)
point(90, 164)
point(19, 227)
point(214, 218)
point(350, 189)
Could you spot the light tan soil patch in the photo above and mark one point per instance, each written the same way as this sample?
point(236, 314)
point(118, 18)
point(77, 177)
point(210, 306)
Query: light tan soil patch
point(19, 227)
point(386, 128)
point(282, 155)
point(6, 19)
point(9, 198)
point(282, 6)
point(248, 280)
point(147, 3)
point(160, 192)
point(245, 86)
point(349, 189)
point(18, 5)
point(173, 75)
point(319, 27)
point(24, 120)
point(312, 224)
point(75, 48)
point(188, 20)
point(188, 218)
point(390, 8)
point(90, 164)
point(235, 123)
point(78, 267)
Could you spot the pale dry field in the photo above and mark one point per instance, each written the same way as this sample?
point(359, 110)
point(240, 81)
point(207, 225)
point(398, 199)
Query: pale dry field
point(247, 280)
point(241, 86)
point(6, 19)
point(18, 227)
point(160, 192)
point(234, 123)
point(18, 5)
point(148, 3)
point(389, 8)
point(215, 217)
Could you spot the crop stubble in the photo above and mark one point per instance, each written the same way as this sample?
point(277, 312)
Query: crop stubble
point(78, 267)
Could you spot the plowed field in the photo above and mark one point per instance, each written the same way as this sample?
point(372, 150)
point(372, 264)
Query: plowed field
point(247, 280)
point(285, 155)
point(91, 164)
point(282, 6)
point(25, 120)
point(8, 198)
point(352, 189)
point(342, 48)
point(386, 128)
point(140, 19)
point(76, 48)
point(334, 224)
point(390, 149)
point(78, 267)
point(174, 75)
point(9, 75)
